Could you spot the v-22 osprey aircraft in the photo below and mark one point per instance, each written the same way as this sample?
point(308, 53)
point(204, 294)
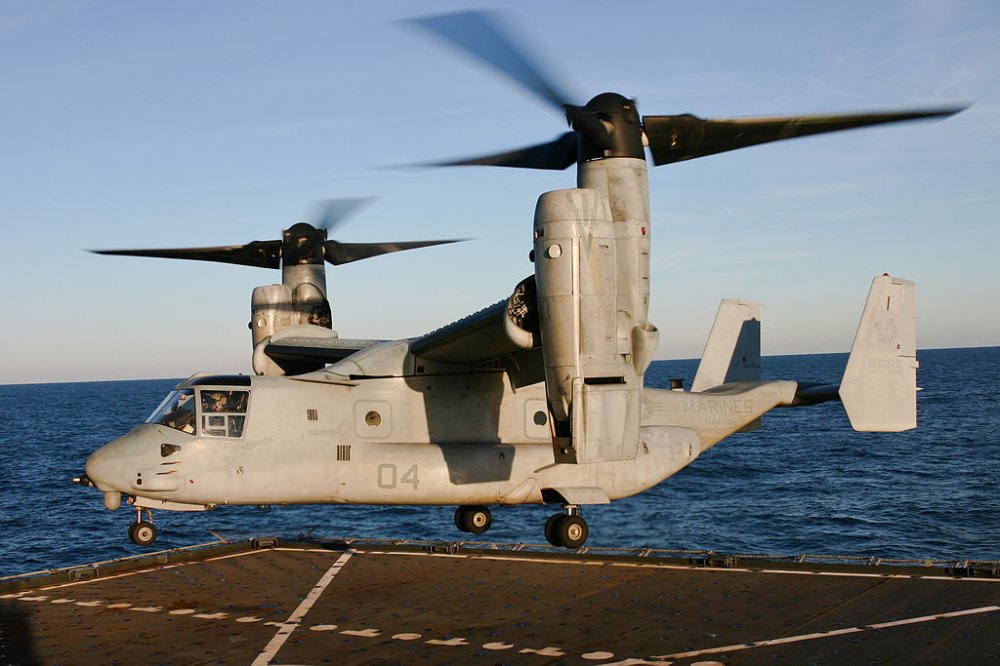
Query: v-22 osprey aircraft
point(537, 399)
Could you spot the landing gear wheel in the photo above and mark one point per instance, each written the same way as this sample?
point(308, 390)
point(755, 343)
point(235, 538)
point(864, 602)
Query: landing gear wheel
point(142, 533)
point(571, 531)
point(550, 528)
point(474, 519)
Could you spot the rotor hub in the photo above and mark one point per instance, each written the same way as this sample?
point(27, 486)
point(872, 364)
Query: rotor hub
point(618, 132)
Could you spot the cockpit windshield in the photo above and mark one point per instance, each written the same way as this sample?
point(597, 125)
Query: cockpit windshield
point(223, 413)
point(176, 411)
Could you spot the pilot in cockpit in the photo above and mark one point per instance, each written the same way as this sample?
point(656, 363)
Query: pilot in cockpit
point(182, 416)
point(214, 402)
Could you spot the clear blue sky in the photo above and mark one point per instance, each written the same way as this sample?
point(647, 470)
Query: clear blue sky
point(143, 124)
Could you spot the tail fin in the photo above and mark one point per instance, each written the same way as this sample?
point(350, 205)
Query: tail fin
point(732, 352)
point(879, 388)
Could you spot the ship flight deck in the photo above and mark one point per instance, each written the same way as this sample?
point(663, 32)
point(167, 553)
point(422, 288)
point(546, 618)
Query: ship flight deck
point(267, 601)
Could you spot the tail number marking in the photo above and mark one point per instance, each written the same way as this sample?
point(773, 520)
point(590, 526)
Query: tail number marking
point(389, 479)
point(884, 366)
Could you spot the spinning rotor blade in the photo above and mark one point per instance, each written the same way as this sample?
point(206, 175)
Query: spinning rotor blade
point(263, 254)
point(683, 137)
point(555, 155)
point(482, 35)
point(333, 212)
point(344, 253)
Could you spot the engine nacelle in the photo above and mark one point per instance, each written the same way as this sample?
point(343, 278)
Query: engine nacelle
point(270, 311)
point(277, 307)
point(594, 352)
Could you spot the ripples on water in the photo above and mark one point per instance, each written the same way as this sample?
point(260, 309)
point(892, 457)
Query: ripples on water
point(804, 483)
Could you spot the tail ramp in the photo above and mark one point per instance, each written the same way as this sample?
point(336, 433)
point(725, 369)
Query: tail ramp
point(732, 352)
point(879, 388)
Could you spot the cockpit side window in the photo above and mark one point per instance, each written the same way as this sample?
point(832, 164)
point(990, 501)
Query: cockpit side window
point(176, 411)
point(223, 412)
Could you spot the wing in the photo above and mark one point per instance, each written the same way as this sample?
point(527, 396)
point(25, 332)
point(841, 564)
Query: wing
point(314, 349)
point(502, 333)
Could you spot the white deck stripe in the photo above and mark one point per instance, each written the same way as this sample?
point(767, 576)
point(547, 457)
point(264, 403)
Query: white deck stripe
point(683, 567)
point(827, 634)
point(506, 558)
point(149, 569)
point(287, 627)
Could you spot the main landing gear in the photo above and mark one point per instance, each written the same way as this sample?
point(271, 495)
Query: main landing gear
point(474, 519)
point(564, 530)
point(567, 530)
point(142, 532)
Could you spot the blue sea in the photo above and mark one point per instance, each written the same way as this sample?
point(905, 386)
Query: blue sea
point(805, 483)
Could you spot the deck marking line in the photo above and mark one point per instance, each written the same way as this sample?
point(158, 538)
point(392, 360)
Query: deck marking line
point(211, 616)
point(450, 642)
point(827, 634)
point(164, 567)
point(548, 651)
point(149, 569)
point(363, 633)
point(321, 627)
point(684, 567)
point(285, 629)
point(939, 616)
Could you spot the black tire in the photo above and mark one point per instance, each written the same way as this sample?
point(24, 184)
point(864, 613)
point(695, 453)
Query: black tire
point(473, 519)
point(477, 519)
point(550, 528)
point(460, 519)
point(142, 534)
point(572, 532)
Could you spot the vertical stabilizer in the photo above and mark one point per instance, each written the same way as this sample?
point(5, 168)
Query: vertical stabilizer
point(732, 352)
point(880, 382)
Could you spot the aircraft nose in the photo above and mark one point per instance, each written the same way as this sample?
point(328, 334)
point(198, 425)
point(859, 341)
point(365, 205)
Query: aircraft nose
point(101, 467)
point(108, 467)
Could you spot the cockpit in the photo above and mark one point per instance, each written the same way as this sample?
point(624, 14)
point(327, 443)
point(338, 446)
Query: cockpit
point(205, 407)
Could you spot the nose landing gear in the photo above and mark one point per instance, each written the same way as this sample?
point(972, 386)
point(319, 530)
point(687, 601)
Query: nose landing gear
point(142, 532)
point(567, 530)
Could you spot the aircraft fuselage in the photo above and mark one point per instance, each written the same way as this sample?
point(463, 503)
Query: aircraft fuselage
point(378, 441)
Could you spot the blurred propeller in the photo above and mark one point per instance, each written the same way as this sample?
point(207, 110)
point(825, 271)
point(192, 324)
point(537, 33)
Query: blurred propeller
point(556, 155)
point(608, 125)
point(263, 254)
point(483, 36)
point(333, 212)
point(684, 137)
point(302, 243)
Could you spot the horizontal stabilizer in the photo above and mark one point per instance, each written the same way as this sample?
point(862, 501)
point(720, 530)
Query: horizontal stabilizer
point(732, 352)
point(879, 388)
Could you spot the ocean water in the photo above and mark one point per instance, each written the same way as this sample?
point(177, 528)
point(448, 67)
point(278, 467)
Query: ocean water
point(803, 484)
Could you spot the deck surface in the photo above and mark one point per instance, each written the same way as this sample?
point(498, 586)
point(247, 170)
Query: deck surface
point(328, 604)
